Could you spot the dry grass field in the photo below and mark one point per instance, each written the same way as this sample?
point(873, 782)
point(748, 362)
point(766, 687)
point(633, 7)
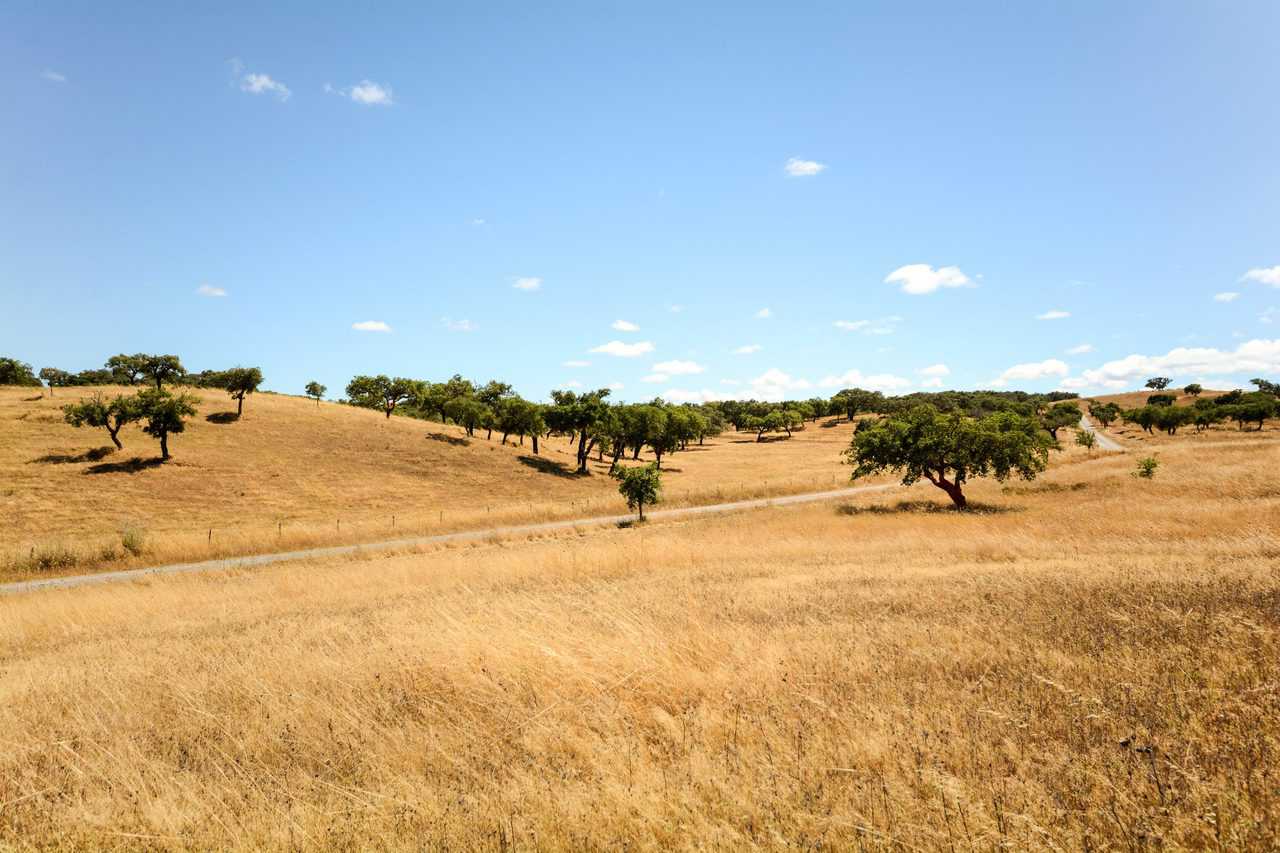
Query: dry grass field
point(292, 474)
point(1089, 662)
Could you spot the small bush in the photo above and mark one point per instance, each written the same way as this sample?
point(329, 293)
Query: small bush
point(1147, 467)
point(133, 539)
point(48, 558)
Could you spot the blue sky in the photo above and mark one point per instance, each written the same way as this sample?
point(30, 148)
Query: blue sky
point(768, 200)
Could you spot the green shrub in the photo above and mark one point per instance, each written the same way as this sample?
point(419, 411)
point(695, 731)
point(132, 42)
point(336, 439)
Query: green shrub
point(133, 539)
point(1147, 467)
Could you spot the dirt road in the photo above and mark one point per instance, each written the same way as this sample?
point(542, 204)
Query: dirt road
point(392, 544)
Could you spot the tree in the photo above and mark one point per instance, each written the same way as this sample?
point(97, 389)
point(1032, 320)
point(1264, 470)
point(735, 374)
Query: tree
point(1251, 408)
point(110, 415)
point(240, 381)
point(164, 414)
point(1144, 417)
point(469, 413)
point(577, 415)
point(517, 416)
point(1060, 415)
point(1104, 413)
point(949, 450)
point(54, 377)
point(1169, 418)
point(162, 368)
point(1194, 389)
point(851, 401)
point(127, 368)
point(382, 392)
point(639, 485)
point(1272, 388)
point(94, 377)
point(1158, 383)
point(1086, 439)
point(818, 407)
point(315, 390)
point(14, 372)
point(1162, 399)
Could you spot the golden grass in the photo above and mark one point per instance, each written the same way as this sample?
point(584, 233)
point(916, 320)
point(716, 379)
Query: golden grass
point(1092, 663)
point(291, 475)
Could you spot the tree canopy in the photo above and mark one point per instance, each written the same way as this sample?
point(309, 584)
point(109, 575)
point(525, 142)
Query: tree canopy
point(641, 485)
point(948, 450)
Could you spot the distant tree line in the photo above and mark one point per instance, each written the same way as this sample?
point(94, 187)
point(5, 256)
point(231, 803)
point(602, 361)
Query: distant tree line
point(1161, 411)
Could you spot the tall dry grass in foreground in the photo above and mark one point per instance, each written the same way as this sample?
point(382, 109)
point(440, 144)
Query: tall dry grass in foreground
point(1093, 663)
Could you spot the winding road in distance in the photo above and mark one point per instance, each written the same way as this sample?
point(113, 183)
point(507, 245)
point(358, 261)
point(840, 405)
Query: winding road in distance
point(1105, 441)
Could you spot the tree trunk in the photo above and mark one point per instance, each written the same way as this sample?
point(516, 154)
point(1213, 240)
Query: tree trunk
point(953, 491)
point(583, 450)
point(239, 405)
point(489, 435)
point(535, 443)
point(657, 455)
point(114, 433)
point(617, 452)
point(164, 445)
point(635, 452)
point(504, 438)
point(158, 384)
point(640, 504)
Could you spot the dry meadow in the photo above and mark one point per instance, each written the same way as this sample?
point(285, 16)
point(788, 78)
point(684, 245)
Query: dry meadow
point(290, 474)
point(1087, 662)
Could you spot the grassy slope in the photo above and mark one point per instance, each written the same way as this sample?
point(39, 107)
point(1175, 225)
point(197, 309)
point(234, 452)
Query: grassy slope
point(304, 467)
point(1093, 663)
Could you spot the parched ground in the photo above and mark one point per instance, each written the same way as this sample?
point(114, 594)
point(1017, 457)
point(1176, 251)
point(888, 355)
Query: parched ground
point(1090, 661)
point(292, 474)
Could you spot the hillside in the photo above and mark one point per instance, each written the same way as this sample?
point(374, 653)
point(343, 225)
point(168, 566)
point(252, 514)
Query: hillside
point(1087, 661)
point(291, 473)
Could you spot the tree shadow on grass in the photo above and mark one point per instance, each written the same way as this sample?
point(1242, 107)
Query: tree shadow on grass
point(33, 399)
point(548, 466)
point(924, 507)
point(222, 418)
point(455, 440)
point(69, 459)
point(834, 422)
point(129, 466)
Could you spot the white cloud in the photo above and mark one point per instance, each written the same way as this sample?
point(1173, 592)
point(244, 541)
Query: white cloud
point(1226, 296)
point(365, 92)
point(730, 382)
point(1080, 349)
point(873, 382)
point(747, 349)
point(210, 290)
point(775, 384)
point(572, 383)
point(1055, 314)
point(764, 314)
point(918, 279)
point(1032, 371)
point(883, 326)
point(934, 382)
point(622, 349)
point(935, 370)
point(371, 326)
point(478, 222)
point(1253, 357)
point(678, 368)
point(675, 309)
point(798, 168)
point(616, 386)
point(1265, 275)
point(577, 363)
point(263, 84)
point(1267, 316)
point(528, 283)
point(53, 76)
point(655, 377)
point(624, 326)
point(681, 395)
point(458, 325)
